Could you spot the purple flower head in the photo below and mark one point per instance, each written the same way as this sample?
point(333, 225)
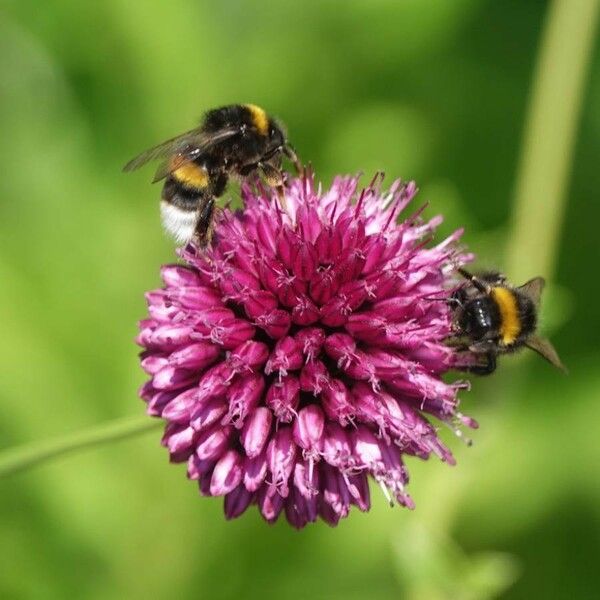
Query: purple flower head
point(304, 351)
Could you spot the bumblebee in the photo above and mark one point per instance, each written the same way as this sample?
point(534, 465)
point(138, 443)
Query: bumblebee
point(235, 140)
point(493, 317)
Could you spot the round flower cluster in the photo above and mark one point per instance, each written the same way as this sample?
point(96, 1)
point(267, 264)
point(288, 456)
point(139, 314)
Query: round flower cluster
point(300, 354)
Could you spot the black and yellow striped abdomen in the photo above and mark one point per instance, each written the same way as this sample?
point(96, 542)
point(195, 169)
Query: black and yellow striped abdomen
point(186, 185)
point(510, 326)
point(192, 175)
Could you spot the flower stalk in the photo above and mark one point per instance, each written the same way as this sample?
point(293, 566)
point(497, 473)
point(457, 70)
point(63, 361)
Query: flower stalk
point(13, 460)
point(549, 137)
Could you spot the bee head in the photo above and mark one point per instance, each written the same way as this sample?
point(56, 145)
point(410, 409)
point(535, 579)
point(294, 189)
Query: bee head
point(276, 134)
point(477, 318)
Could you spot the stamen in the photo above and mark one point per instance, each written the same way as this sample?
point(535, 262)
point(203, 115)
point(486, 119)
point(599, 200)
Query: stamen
point(385, 491)
point(454, 426)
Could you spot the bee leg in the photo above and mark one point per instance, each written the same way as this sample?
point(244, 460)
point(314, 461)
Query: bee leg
point(204, 230)
point(271, 153)
point(453, 302)
point(219, 183)
point(272, 176)
point(477, 283)
point(274, 179)
point(289, 151)
point(484, 369)
point(247, 169)
point(479, 368)
point(485, 349)
point(290, 154)
point(459, 342)
point(488, 349)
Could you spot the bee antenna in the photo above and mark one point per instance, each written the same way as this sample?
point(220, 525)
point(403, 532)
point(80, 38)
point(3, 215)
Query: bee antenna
point(473, 279)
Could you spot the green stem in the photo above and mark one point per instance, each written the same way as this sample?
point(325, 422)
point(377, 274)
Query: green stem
point(17, 459)
point(549, 136)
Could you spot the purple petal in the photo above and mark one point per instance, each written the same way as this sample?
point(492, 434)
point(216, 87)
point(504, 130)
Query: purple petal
point(249, 356)
point(178, 276)
point(244, 396)
point(256, 431)
point(270, 504)
point(255, 471)
point(195, 356)
point(236, 502)
point(311, 340)
point(276, 323)
point(314, 377)
point(212, 443)
point(337, 402)
point(227, 474)
point(283, 398)
point(281, 453)
point(308, 428)
point(287, 356)
point(207, 413)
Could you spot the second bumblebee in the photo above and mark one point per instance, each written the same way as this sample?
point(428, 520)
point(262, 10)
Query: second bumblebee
point(492, 317)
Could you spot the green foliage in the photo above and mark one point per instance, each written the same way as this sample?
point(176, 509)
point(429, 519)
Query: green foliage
point(425, 89)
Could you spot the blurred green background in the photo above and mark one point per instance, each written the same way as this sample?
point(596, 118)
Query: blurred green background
point(434, 90)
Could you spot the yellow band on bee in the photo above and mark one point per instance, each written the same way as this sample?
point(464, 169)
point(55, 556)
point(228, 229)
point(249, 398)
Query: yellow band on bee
point(191, 175)
point(510, 325)
point(259, 118)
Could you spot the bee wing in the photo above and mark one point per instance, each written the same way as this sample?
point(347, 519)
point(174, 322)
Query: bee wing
point(533, 288)
point(545, 349)
point(180, 149)
point(162, 150)
point(174, 162)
